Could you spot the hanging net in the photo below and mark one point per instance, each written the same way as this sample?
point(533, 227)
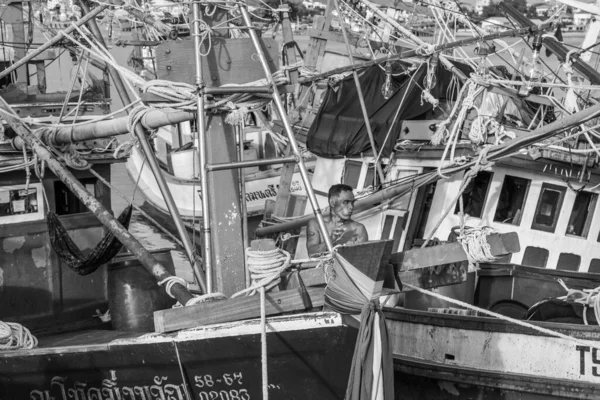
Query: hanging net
point(69, 253)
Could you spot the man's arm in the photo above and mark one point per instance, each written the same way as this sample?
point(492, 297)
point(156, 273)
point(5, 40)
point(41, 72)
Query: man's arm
point(314, 243)
point(361, 233)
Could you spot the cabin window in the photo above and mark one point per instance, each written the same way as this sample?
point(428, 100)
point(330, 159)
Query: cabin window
point(18, 201)
point(548, 208)
point(66, 202)
point(393, 225)
point(475, 194)
point(581, 215)
point(535, 257)
point(594, 266)
point(568, 262)
point(512, 198)
point(352, 173)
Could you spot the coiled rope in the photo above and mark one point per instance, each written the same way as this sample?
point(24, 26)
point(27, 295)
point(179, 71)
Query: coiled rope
point(265, 268)
point(474, 243)
point(15, 336)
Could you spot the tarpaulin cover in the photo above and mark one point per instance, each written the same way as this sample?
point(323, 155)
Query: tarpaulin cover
point(339, 129)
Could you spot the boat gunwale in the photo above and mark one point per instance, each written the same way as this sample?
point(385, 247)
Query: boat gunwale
point(275, 325)
point(489, 324)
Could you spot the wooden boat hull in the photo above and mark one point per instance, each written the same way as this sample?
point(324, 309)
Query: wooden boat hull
point(491, 354)
point(309, 357)
point(186, 193)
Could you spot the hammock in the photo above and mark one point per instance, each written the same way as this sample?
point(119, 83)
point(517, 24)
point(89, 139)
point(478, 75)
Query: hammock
point(69, 253)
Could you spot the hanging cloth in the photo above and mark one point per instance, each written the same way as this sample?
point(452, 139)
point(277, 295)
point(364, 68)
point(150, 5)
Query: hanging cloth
point(70, 254)
point(372, 370)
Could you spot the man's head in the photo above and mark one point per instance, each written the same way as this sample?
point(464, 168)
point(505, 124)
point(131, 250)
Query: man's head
point(341, 201)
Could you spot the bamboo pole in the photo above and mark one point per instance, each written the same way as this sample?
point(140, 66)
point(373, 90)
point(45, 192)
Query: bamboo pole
point(361, 99)
point(59, 36)
point(288, 129)
point(200, 139)
point(104, 216)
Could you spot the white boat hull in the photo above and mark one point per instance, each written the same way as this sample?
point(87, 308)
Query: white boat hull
point(187, 193)
point(494, 354)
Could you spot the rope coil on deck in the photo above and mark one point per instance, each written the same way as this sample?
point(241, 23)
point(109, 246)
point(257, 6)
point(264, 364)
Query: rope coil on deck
point(265, 268)
point(15, 336)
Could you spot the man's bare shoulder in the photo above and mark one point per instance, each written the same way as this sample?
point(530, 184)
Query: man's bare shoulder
point(355, 225)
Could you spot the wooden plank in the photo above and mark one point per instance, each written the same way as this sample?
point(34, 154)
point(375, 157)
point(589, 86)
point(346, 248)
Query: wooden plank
point(334, 36)
point(500, 244)
point(40, 70)
point(371, 258)
point(233, 310)
point(310, 277)
point(283, 191)
point(230, 61)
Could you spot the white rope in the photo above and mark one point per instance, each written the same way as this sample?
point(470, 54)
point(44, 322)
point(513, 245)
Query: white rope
point(586, 297)
point(475, 244)
point(265, 269)
point(263, 345)
point(524, 324)
point(15, 336)
point(170, 281)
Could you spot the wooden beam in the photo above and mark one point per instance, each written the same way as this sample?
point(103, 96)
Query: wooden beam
point(216, 312)
point(500, 245)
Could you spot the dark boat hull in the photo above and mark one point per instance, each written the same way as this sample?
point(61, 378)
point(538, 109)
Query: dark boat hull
point(308, 358)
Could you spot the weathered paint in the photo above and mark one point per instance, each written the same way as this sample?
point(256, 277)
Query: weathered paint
point(40, 256)
point(13, 243)
point(518, 354)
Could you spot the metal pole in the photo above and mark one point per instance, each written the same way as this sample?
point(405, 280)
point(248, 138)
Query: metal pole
point(250, 163)
point(242, 174)
point(200, 139)
point(410, 35)
point(104, 216)
point(288, 129)
point(361, 99)
point(59, 36)
point(190, 249)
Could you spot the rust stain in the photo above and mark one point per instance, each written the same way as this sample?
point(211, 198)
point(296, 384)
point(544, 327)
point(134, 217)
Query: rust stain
point(13, 243)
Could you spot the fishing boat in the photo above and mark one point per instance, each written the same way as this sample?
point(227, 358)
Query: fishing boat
point(411, 192)
point(541, 189)
point(62, 269)
point(262, 136)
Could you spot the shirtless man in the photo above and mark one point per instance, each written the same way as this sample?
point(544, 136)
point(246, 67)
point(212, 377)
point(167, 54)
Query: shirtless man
point(341, 228)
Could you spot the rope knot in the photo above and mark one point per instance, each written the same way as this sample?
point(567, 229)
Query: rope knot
point(426, 49)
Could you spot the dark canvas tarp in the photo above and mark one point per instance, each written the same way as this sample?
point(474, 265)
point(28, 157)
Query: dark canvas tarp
point(339, 129)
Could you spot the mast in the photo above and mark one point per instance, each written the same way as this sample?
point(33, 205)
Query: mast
point(200, 139)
